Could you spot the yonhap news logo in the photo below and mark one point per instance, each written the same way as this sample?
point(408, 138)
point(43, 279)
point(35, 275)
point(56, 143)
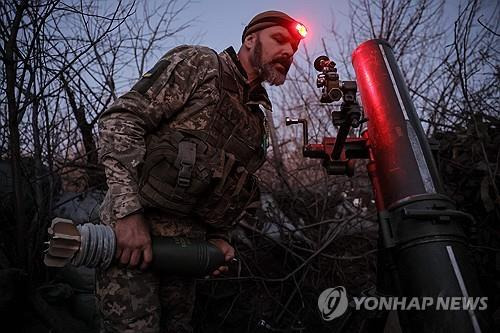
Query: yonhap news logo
point(333, 303)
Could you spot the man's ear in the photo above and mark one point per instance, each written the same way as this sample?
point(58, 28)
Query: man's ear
point(250, 40)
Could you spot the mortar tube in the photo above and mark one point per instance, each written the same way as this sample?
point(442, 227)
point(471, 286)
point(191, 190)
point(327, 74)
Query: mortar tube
point(420, 225)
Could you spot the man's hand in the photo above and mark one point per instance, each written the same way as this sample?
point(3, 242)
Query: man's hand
point(228, 252)
point(133, 241)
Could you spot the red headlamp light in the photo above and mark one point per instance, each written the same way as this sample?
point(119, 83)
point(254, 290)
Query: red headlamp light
point(301, 30)
point(297, 29)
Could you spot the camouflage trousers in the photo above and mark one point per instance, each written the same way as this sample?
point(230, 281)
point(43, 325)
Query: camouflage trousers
point(137, 301)
point(131, 300)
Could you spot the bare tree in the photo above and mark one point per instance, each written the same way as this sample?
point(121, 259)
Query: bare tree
point(63, 64)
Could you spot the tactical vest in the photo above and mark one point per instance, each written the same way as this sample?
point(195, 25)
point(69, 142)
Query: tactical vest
point(207, 171)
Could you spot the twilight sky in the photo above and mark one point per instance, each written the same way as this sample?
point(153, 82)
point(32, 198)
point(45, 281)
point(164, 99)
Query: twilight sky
point(222, 21)
point(219, 23)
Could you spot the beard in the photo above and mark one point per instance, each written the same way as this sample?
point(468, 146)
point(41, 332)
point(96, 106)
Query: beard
point(268, 72)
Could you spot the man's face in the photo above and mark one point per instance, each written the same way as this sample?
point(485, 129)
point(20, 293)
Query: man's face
point(272, 54)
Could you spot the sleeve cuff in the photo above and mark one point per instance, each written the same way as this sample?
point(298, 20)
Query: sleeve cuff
point(125, 206)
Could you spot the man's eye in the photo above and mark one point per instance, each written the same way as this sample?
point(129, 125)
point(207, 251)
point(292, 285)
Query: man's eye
point(279, 40)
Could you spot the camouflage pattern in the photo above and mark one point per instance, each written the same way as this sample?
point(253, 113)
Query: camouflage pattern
point(124, 126)
point(136, 301)
point(136, 133)
point(183, 93)
point(132, 300)
point(128, 300)
point(228, 139)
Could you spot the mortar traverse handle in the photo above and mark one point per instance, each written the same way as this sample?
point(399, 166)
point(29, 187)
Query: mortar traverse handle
point(305, 131)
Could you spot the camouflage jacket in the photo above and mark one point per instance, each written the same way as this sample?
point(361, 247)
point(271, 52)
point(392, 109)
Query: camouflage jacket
point(181, 92)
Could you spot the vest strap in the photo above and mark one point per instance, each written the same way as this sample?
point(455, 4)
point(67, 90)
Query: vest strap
point(186, 158)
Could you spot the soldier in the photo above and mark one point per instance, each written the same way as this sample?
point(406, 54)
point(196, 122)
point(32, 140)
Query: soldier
point(180, 149)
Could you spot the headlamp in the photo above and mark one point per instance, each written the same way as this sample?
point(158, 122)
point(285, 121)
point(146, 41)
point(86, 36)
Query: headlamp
point(297, 29)
point(301, 29)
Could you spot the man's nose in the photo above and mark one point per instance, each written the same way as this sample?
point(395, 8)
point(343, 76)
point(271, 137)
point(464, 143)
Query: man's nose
point(288, 50)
